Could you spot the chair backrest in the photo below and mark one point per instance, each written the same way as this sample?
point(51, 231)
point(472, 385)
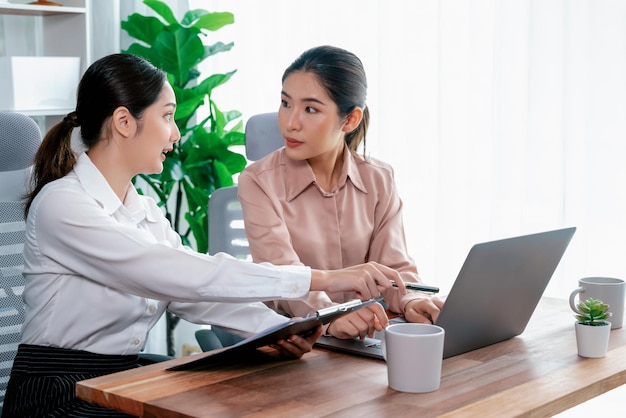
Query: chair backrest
point(19, 139)
point(262, 135)
point(226, 228)
point(226, 231)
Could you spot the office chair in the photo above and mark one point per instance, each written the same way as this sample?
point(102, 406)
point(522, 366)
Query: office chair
point(262, 135)
point(226, 227)
point(19, 140)
point(215, 337)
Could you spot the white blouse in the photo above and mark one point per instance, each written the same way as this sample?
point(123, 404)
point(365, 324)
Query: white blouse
point(100, 273)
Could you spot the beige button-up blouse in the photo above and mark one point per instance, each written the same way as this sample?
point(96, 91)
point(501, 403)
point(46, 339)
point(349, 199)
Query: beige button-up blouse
point(290, 220)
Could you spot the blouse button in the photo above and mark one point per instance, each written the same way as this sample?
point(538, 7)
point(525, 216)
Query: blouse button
point(136, 341)
point(152, 309)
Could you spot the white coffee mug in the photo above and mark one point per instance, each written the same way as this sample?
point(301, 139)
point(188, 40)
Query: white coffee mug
point(414, 355)
point(607, 289)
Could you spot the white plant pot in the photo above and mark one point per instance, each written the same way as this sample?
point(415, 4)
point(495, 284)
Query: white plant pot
point(592, 341)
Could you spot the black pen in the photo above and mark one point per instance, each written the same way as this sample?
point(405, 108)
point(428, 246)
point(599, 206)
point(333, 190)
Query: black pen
point(419, 287)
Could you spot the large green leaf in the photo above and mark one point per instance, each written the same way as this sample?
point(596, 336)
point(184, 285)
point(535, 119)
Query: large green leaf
point(214, 21)
point(219, 121)
point(143, 28)
point(189, 145)
point(172, 168)
point(235, 138)
point(224, 174)
point(203, 177)
point(216, 48)
point(234, 162)
point(211, 82)
point(163, 10)
point(192, 15)
point(188, 101)
point(205, 145)
point(232, 115)
point(179, 51)
point(197, 198)
point(198, 224)
point(196, 216)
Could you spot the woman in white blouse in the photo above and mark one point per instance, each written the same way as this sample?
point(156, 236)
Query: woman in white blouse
point(102, 263)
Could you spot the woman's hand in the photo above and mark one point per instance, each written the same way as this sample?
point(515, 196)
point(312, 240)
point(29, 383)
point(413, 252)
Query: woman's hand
point(296, 346)
point(361, 323)
point(367, 280)
point(425, 310)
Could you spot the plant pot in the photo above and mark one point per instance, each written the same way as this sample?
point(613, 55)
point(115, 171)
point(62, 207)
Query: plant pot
point(592, 340)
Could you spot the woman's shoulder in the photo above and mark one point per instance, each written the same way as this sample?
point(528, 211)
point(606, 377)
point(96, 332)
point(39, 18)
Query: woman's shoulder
point(68, 185)
point(270, 162)
point(59, 198)
point(376, 177)
point(372, 166)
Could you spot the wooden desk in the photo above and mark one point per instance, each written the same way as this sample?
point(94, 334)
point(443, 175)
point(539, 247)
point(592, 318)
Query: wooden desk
point(537, 373)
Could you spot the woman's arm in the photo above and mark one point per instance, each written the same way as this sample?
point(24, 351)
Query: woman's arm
point(70, 234)
point(388, 244)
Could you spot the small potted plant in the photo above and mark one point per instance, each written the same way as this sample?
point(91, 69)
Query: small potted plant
point(592, 328)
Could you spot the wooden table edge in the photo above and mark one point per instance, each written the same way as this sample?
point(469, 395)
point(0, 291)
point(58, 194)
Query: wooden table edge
point(575, 383)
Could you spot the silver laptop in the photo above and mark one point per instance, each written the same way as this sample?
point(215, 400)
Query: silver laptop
point(493, 297)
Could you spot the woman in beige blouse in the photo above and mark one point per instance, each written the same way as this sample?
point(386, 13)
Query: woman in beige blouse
point(317, 202)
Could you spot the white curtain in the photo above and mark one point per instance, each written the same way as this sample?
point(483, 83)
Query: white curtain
point(500, 117)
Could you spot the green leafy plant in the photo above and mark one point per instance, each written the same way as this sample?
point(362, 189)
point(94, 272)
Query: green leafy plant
point(201, 161)
point(592, 312)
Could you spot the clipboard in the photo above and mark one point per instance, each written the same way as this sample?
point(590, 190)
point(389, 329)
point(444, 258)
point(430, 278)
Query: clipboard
point(247, 348)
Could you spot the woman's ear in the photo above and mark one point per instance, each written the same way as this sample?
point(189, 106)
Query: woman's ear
point(353, 119)
point(123, 122)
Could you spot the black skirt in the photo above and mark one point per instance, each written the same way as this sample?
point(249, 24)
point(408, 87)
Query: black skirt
point(43, 382)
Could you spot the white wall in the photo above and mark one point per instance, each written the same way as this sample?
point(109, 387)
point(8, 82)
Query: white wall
point(501, 118)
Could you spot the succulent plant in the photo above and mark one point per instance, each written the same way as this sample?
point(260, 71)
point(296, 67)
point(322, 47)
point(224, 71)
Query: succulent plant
point(592, 312)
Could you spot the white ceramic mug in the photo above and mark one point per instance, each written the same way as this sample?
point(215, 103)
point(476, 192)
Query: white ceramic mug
point(414, 355)
point(607, 289)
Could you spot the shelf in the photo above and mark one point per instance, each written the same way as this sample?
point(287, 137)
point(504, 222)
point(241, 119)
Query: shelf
point(38, 30)
point(36, 10)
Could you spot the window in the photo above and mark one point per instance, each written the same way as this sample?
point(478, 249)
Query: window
point(500, 118)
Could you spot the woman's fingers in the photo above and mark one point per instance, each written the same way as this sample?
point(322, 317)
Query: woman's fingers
point(386, 277)
point(424, 310)
point(367, 280)
point(361, 323)
point(296, 346)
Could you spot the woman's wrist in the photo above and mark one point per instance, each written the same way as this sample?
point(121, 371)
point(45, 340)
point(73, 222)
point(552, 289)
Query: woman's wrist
point(319, 279)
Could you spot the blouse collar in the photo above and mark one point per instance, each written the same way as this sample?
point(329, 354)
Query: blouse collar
point(96, 186)
point(300, 176)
